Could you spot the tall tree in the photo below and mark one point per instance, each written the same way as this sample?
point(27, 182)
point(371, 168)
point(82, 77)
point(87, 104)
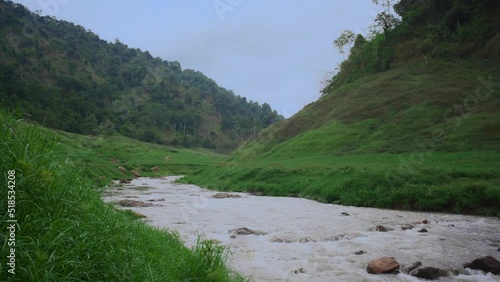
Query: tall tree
point(346, 39)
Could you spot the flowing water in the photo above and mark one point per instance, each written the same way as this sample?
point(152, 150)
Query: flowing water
point(303, 240)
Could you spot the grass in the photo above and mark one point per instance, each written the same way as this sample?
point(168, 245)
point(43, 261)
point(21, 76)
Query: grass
point(65, 232)
point(466, 182)
point(418, 137)
point(100, 156)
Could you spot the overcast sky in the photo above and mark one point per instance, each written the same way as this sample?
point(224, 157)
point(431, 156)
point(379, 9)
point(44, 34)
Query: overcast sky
point(270, 51)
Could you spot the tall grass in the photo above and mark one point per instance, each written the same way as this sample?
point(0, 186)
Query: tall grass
point(66, 233)
point(466, 182)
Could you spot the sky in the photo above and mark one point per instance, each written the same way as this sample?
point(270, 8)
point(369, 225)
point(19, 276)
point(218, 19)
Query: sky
point(270, 51)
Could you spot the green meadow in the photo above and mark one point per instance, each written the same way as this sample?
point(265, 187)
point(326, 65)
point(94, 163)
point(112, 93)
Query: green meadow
point(100, 156)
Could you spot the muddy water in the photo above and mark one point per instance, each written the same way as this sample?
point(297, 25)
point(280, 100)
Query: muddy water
point(304, 240)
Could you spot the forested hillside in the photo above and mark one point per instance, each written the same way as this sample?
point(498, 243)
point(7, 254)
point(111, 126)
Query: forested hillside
point(65, 77)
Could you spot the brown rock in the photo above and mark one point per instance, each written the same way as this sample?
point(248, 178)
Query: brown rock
point(134, 203)
point(381, 228)
point(122, 170)
point(360, 252)
point(113, 160)
point(407, 227)
point(225, 195)
point(486, 264)
point(157, 200)
point(425, 221)
point(246, 231)
point(155, 169)
point(382, 265)
point(135, 173)
point(423, 230)
point(124, 180)
point(428, 272)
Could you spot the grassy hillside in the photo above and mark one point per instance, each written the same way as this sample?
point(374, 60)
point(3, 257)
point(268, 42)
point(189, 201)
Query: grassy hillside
point(417, 132)
point(64, 232)
point(100, 156)
point(65, 77)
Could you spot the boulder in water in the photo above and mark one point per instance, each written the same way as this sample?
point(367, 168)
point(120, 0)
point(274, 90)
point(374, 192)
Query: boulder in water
point(486, 264)
point(246, 231)
point(382, 265)
point(225, 195)
point(429, 273)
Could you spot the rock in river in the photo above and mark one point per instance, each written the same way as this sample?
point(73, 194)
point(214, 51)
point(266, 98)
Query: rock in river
point(382, 265)
point(486, 264)
point(429, 273)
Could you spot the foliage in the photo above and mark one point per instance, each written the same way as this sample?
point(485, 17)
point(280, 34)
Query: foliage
point(344, 40)
point(66, 77)
point(449, 30)
point(66, 233)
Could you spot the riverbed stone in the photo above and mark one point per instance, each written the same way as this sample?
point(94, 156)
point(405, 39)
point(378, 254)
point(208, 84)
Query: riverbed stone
point(135, 173)
point(246, 231)
point(124, 180)
point(486, 264)
point(382, 265)
point(134, 203)
point(157, 200)
point(381, 228)
point(412, 267)
point(407, 227)
point(122, 170)
point(429, 273)
point(225, 195)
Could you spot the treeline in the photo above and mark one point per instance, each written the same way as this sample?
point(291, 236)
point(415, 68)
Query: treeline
point(65, 77)
point(420, 31)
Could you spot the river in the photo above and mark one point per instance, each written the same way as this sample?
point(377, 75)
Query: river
point(303, 240)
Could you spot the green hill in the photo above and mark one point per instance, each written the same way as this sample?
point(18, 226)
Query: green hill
point(410, 121)
point(65, 77)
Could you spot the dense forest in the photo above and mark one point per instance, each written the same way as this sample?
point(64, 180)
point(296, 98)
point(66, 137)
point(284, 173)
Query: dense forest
point(65, 77)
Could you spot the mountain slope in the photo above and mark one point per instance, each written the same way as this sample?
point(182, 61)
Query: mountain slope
point(417, 132)
point(67, 78)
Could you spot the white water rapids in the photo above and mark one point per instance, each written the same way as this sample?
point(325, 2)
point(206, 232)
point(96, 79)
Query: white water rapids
point(309, 241)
